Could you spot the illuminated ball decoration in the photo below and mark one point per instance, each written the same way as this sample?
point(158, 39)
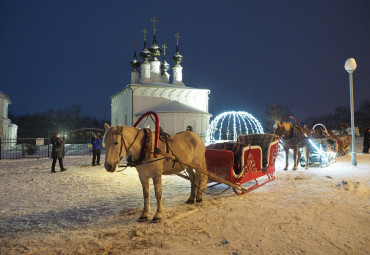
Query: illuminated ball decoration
point(227, 126)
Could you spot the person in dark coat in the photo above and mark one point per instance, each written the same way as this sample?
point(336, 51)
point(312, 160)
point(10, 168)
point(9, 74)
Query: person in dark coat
point(366, 141)
point(57, 152)
point(96, 145)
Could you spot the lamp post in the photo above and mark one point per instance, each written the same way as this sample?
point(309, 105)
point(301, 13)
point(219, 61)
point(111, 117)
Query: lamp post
point(350, 67)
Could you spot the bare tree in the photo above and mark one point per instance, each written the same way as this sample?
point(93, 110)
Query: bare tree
point(275, 112)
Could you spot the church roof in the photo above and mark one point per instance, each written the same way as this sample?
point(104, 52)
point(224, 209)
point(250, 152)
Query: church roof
point(174, 107)
point(158, 85)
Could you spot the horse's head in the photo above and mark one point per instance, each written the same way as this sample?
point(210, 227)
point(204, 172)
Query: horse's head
point(113, 141)
point(348, 131)
point(283, 129)
point(357, 131)
point(279, 128)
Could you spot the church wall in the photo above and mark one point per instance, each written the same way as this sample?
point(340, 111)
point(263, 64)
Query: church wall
point(197, 98)
point(4, 102)
point(7, 129)
point(173, 123)
point(121, 108)
point(143, 103)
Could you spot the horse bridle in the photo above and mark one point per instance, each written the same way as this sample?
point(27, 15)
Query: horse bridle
point(123, 142)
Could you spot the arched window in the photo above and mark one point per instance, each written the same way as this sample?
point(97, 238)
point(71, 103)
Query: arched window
point(189, 128)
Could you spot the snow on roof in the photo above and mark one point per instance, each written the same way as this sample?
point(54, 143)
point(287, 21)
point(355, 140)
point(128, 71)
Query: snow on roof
point(6, 96)
point(158, 85)
point(173, 106)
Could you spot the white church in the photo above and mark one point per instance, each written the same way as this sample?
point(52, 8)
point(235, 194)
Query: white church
point(178, 106)
point(8, 130)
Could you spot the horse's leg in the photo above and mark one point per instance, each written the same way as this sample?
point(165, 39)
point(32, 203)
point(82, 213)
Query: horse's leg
point(199, 187)
point(190, 171)
point(203, 180)
point(286, 158)
point(145, 185)
point(299, 157)
point(296, 152)
point(307, 155)
point(157, 181)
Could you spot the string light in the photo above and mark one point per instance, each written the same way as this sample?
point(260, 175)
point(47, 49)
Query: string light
point(237, 123)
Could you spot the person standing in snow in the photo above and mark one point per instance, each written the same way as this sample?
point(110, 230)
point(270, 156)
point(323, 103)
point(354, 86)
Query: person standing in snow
point(57, 152)
point(366, 141)
point(96, 144)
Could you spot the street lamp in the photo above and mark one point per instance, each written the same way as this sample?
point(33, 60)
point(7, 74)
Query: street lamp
point(350, 67)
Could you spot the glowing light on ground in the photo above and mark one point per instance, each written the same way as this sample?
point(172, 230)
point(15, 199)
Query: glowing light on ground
point(328, 156)
point(228, 125)
point(280, 159)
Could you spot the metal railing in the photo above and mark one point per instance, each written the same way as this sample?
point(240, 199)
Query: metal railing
point(41, 148)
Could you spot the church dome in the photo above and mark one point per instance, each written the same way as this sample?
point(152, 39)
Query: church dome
point(135, 64)
point(145, 54)
point(177, 58)
point(165, 66)
point(155, 50)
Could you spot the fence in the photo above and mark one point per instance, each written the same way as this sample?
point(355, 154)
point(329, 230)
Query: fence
point(41, 148)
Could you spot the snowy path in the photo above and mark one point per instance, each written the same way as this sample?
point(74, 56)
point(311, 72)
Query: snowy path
point(87, 210)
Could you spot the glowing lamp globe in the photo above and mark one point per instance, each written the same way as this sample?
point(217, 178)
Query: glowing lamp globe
point(350, 65)
point(227, 126)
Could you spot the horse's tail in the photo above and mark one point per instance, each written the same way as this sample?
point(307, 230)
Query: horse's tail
point(204, 181)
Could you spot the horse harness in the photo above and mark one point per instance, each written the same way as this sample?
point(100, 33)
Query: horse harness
point(147, 149)
point(297, 139)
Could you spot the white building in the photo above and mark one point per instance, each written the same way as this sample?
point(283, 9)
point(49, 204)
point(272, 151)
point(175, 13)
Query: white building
point(8, 130)
point(179, 107)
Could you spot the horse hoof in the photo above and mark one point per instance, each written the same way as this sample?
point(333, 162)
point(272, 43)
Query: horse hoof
point(143, 219)
point(155, 220)
point(199, 200)
point(190, 202)
point(285, 168)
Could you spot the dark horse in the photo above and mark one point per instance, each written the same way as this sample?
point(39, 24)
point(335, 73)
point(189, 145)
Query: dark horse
point(294, 138)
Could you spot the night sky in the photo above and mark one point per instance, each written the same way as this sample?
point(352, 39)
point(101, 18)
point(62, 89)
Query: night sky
point(250, 54)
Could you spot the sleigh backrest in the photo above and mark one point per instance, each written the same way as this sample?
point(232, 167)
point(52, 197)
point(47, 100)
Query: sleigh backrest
point(262, 140)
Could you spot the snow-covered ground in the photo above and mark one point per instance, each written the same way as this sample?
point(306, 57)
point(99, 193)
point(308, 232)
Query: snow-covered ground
point(86, 210)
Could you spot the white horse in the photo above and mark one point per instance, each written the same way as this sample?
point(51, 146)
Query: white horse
point(126, 141)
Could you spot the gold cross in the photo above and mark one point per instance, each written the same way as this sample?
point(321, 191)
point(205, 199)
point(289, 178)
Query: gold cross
point(144, 32)
point(164, 46)
point(177, 38)
point(135, 43)
point(155, 21)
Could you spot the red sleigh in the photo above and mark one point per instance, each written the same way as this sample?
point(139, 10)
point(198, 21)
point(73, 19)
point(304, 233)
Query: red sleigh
point(248, 159)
